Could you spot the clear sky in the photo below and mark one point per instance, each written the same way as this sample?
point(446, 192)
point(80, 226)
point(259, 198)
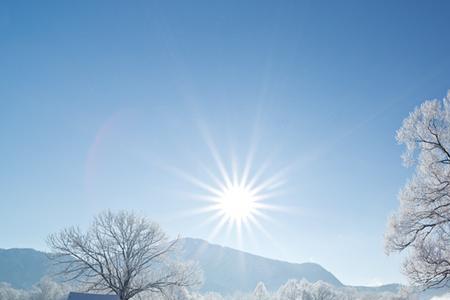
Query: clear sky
point(103, 104)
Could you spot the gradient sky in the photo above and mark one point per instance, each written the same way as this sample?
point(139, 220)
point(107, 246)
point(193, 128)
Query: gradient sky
point(100, 101)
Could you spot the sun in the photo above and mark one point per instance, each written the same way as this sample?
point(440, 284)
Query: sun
point(237, 202)
point(236, 197)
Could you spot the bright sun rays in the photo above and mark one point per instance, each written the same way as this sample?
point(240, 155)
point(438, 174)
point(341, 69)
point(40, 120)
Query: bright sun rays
point(236, 201)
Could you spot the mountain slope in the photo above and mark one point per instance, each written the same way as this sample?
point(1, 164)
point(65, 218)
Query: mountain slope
point(22, 267)
point(227, 269)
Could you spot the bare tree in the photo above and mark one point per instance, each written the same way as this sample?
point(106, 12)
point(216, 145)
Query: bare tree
point(422, 222)
point(120, 253)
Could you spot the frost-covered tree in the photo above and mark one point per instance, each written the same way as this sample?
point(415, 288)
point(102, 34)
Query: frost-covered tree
point(8, 292)
point(212, 296)
point(260, 292)
point(295, 290)
point(172, 293)
point(121, 253)
point(323, 291)
point(422, 222)
point(46, 289)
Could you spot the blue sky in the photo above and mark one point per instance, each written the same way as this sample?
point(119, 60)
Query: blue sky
point(101, 100)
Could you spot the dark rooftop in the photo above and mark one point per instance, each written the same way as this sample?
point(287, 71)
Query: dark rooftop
point(84, 296)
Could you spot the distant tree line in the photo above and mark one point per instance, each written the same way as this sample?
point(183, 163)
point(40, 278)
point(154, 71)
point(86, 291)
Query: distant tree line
point(47, 289)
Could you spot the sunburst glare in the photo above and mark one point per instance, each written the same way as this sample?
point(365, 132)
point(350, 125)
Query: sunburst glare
point(237, 200)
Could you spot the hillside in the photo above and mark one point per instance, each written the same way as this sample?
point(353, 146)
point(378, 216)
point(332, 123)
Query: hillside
point(227, 269)
point(22, 267)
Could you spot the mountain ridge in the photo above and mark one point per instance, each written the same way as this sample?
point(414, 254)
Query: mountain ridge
point(23, 267)
point(247, 269)
point(226, 269)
